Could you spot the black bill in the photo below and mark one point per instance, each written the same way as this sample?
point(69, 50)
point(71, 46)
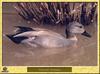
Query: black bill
point(86, 34)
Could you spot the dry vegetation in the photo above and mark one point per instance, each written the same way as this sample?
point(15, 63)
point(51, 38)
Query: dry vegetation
point(58, 13)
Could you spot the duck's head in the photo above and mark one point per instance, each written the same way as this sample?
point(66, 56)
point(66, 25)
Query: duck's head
point(76, 28)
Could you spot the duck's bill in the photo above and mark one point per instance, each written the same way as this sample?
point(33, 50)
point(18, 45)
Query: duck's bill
point(86, 34)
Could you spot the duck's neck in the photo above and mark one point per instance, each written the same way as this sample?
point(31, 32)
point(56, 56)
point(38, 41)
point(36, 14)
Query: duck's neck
point(71, 36)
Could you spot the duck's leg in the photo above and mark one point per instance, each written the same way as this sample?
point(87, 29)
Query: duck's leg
point(29, 34)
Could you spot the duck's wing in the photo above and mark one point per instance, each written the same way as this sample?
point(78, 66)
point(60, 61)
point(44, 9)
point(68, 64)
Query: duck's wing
point(40, 34)
point(29, 34)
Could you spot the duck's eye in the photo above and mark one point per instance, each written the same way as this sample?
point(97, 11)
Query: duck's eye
point(80, 26)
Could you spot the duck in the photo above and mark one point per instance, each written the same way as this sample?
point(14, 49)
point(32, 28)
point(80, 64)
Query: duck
point(36, 37)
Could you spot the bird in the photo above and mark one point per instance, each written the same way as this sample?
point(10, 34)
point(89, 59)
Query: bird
point(36, 37)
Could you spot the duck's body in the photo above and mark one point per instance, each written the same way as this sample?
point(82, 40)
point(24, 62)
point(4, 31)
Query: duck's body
point(41, 37)
point(45, 38)
point(53, 41)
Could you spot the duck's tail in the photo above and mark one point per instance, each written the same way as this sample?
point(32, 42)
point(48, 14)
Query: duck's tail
point(19, 39)
point(16, 40)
